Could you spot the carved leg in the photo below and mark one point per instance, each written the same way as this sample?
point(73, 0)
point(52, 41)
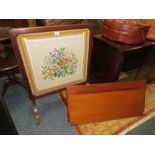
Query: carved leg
point(17, 81)
point(36, 113)
point(11, 80)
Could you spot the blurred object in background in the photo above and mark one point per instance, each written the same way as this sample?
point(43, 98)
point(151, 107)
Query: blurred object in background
point(97, 23)
point(128, 31)
point(151, 32)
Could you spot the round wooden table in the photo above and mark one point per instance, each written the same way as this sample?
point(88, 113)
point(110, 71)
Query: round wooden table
point(8, 64)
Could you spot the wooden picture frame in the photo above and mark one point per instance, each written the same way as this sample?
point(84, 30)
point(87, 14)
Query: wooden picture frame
point(38, 48)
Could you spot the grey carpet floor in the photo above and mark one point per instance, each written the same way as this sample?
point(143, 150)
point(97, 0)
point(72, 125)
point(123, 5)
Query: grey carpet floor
point(146, 128)
point(52, 109)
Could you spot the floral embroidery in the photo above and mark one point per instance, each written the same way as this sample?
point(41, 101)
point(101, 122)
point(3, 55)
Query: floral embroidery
point(59, 63)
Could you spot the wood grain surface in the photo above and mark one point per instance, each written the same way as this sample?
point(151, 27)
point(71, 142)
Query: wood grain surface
point(99, 102)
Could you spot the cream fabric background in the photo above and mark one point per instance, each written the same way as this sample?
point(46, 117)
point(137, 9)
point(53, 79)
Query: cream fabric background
point(38, 49)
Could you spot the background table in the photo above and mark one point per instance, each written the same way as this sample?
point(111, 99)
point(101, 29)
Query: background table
point(8, 64)
point(110, 58)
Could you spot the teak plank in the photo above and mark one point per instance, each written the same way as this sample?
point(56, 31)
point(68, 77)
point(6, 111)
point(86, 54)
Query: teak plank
point(100, 102)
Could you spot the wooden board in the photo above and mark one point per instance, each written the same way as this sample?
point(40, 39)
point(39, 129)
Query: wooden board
point(99, 102)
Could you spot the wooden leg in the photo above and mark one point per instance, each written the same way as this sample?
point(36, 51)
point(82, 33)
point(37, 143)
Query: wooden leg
point(15, 80)
point(36, 112)
point(11, 80)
